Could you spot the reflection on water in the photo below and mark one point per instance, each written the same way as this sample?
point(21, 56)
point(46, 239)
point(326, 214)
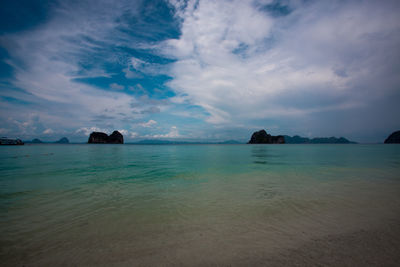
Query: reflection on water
point(259, 154)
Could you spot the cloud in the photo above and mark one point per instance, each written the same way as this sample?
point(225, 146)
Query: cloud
point(129, 134)
point(138, 88)
point(48, 131)
point(116, 86)
point(242, 64)
point(47, 59)
point(148, 124)
point(227, 66)
point(137, 68)
point(151, 110)
point(173, 133)
point(133, 135)
point(88, 130)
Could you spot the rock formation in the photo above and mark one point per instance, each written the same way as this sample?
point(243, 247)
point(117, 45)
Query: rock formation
point(261, 137)
point(115, 138)
point(8, 141)
point(318, 140)
point(102, 138)
point(63, 140)
point(394, 138)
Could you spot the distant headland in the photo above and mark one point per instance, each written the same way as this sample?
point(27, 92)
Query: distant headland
point(317, 140)
point(262, 137)
point(9, 141)
point(63, 140)
point(394, 138)
point(102, 138)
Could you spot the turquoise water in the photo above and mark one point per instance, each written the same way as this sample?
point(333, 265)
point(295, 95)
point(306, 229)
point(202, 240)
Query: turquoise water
point(180, 204)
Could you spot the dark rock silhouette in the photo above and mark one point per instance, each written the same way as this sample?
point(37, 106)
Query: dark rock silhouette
point(63, 140)
point(8, 141)
point(318, 140)
point(115, 138)
point(98, 138)
point(394, 138)
point(261, 137)
point(102, 138)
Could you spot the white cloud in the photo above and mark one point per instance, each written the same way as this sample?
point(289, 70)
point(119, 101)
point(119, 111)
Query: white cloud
point(138, 64)
point(240, 63)
point(88, 130)
point(117, 86)
point(148, 124)
point(124, 132)
point(129, 134)
point(48, 131)
point(173, 133)
point(133, 135)
point(50, 55)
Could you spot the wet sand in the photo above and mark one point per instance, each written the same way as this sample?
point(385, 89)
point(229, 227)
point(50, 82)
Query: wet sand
point(375, 247)
point(373, 243)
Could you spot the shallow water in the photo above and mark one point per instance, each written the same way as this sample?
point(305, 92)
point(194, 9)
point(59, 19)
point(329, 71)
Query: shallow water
point(187, 204)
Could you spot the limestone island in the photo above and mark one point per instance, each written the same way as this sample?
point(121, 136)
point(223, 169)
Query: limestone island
point(102, 138)
point(394, 138)
point(261, 137)
point(9, 141)
point(63, 140)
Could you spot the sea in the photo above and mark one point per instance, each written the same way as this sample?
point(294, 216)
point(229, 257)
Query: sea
point(188, 205)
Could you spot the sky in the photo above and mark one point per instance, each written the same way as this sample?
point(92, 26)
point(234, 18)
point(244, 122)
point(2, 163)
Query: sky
point(199, 70)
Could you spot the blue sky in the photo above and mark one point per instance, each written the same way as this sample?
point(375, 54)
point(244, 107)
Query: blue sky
point(199, 70)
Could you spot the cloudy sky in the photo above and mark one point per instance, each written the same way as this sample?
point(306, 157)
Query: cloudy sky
point(199, 70)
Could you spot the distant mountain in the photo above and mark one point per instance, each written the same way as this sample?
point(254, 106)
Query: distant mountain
point(318, 140)
point(10, 141)
point(167, 142)
point(230, 142)
point(36, 141)
point(63, 140)
point(394, 138)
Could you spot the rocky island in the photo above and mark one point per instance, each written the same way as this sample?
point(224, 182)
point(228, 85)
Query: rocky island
point(394, 138)
point(261, 137)
point(317, 140)
point(102, 138)
point(63, 140)
point(9, 141)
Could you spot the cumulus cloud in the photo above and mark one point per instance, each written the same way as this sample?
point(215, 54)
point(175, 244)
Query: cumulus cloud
point(316, 68)
point(46, 62)
point(129, 134)
point(173, 133)
point(133, 135)
point(48, 131)
point(242, 63)
point(150, 123)
point(88, 130)
point(116, 86)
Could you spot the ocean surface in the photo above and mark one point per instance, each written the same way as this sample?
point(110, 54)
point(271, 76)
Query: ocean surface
point(189, 205)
